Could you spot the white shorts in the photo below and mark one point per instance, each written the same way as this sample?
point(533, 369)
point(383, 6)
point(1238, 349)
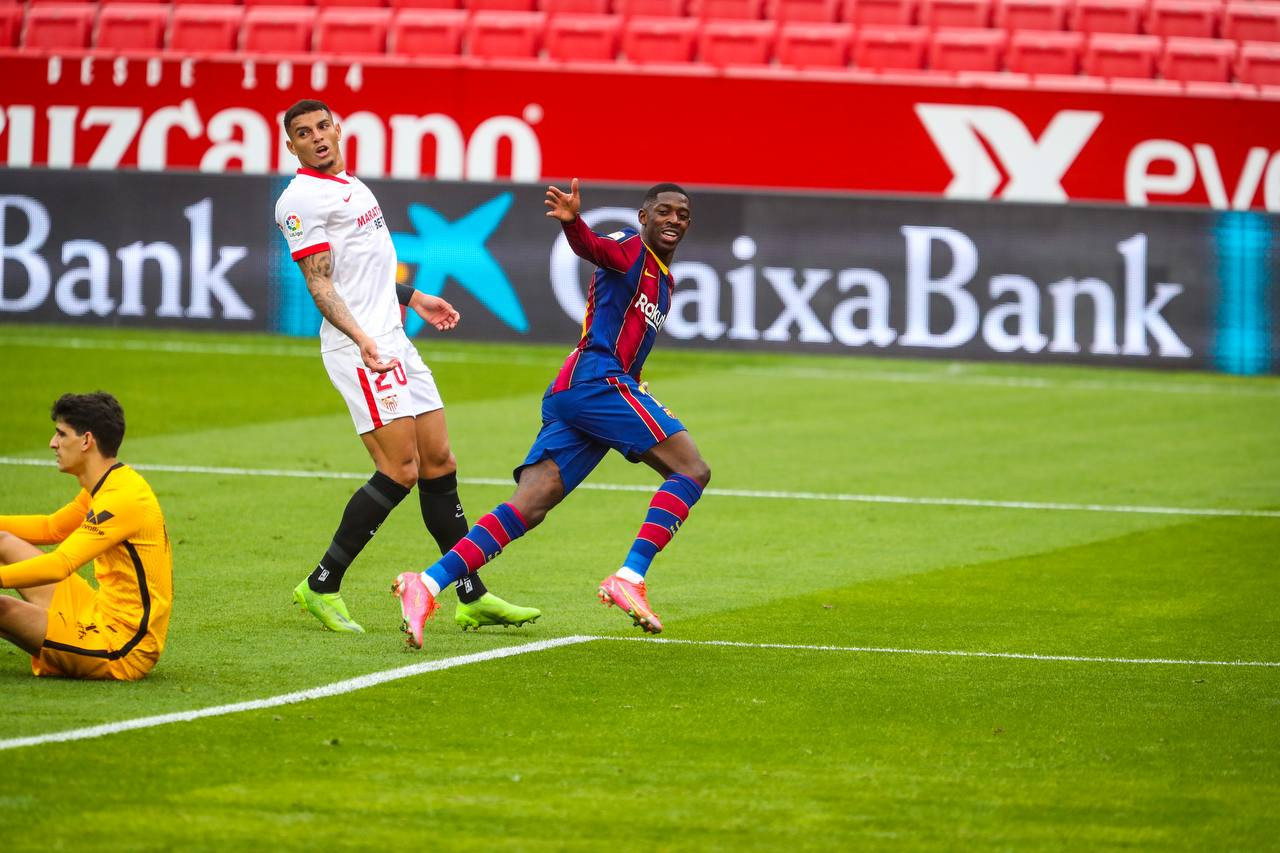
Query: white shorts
point(375, 399)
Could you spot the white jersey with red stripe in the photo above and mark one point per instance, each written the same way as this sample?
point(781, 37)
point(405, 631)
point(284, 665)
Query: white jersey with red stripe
point(339, 214)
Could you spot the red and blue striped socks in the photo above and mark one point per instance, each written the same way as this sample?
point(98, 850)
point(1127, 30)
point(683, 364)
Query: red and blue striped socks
point(492, 532)
point(667, 511)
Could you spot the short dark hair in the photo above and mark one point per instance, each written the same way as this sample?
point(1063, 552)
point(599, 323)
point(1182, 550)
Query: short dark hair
point(658, 189)
point(98, 413)
point(306, 105)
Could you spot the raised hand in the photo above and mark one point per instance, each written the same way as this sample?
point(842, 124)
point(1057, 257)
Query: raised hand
point(561, 205)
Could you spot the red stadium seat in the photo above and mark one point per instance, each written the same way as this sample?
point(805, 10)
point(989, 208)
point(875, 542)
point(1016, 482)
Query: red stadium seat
point(133, 26)
point(813, 11)
point(890, 48)
point(576, 7)
point(737, 10)
point(1043, 52)
point(1190, 18)
point(650, 8)
point(1031, 14)
point(325, 4)
point(1107, 16)
point(224, 3)
point(502, 5)
point(274, 3)
point(807, 45)
point(591, 38)
point(646, 40)
point(58, 26)
point(1121, 55)
point(955, 13)
point(351, 32)
point(505, 35)
point(426, 4)
point(724, 43)
point(58, 2)
point(1207, 60)
point(132, 2)
point(967, 50)
point(199, 28)
point(10, 25)
point(267, 29)
point(889, 13)
point(427, 32)
point(1259, 62)
point(1249, 21)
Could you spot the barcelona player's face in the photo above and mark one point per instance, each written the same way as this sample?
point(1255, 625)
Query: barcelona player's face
point(663, 222)
point(313, 139)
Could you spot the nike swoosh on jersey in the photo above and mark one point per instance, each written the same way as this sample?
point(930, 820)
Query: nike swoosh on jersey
point(348, 198)
point(651, 275)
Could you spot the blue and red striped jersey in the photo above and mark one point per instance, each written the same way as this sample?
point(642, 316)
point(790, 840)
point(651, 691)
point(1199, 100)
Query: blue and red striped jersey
point(627, 302)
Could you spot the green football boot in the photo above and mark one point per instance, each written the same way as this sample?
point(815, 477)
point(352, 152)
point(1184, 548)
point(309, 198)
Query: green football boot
point(488, 609)
point(328, 607)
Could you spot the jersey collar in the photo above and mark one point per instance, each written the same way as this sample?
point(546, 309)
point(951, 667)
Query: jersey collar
point(312, 173)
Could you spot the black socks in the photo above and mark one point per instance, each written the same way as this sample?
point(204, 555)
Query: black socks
point(445, 520)
point(365, 512)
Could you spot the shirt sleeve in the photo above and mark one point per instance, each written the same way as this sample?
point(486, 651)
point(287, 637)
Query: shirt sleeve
point(115, 522)
point(47, 529)
point(301, 219)
point(601, 251)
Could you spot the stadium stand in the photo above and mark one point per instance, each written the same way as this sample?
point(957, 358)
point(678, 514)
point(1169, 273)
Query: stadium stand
point(587, 38)
point(1121, 55)
point(955, 13)
point(495, 34)
point(723, 43)
point(1223, 47)
point(1259, 62)
point(131, 26)
point(272, 29)
point(1031, 14)
point(734, 10)
point(659, 40)
point(10, 25)
point(1194, 59)
point(1107, 16)
point(1032, 52)
point(967, 50)
point(427, 32)
point(890, 48)
point(1250, 21)
point(809, 45)
point(1191, 18)
point(899, 13)
point(58, 26)
point(810, 11)
point(349, 31)
point(202, 28)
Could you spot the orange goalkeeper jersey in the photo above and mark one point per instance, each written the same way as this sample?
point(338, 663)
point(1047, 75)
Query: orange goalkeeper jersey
point(118, 525)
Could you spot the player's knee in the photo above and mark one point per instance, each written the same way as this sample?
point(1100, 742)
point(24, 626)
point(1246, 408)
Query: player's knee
point(405, 473)
point(9, 547)
point(700, 472)
point(437, 462)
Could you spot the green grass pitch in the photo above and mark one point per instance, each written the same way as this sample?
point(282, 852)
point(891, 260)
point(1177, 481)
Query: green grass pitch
point(759, 741)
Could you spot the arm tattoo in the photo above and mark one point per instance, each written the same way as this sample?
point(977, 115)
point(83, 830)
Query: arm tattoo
point(317, 269)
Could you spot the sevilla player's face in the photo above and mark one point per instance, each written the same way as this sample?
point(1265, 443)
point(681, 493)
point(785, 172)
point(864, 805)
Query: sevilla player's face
point(313, 138)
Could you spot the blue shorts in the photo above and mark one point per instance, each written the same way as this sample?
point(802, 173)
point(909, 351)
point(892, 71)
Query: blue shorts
point(580, 424)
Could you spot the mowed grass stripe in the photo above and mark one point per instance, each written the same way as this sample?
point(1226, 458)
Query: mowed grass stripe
point(762, 494)
point(373, 679)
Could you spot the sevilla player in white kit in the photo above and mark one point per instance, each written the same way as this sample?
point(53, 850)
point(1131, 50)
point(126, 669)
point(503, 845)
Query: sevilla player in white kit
point(336, 232)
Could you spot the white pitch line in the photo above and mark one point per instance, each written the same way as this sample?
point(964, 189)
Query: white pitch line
point(947, 375)
point(350, 685)
point(727, 493)
point(323, 692)
point(880, 650)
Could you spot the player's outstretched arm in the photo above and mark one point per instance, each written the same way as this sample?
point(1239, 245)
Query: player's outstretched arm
point(561, 205)
point(434, 310)
point(317, 270)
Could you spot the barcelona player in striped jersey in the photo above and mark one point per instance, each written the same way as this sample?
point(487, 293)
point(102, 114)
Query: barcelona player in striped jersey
point(596, 402)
